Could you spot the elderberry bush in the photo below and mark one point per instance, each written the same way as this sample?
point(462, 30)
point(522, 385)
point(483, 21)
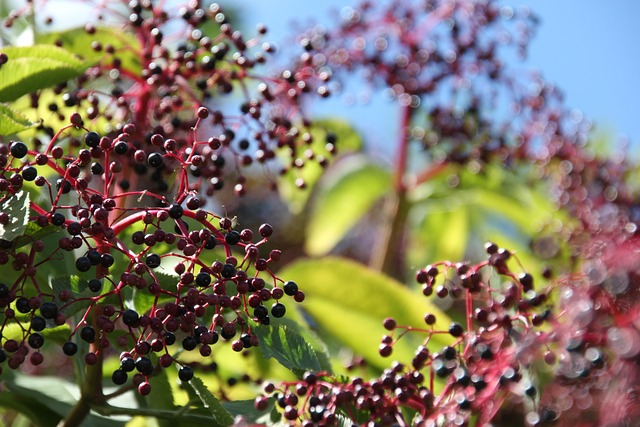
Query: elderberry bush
point(141, 152)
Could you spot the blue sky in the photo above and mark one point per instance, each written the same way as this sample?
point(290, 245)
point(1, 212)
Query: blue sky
point(589, 48)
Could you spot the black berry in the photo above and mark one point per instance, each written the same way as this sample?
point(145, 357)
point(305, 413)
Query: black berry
point(185, 373)
point(35, 340)
point(175, 211)
point(92, 139)
point(83, 264)
point(278, 310)
point(18, 149)
point(130, 318)
point(119, 377)
point(69, 348)
point(49, 310)
point(88, 334)
point(153, 260)
point(290, 288)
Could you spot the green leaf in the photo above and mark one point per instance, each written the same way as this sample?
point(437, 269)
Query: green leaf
point(12, 121)
point(221, 416)
point(348, 140)
point(344, 197)
point(32, 408)
point(349, 302)
point(442, 231)
point(247, 409)
point(34, 232)
point(287, 345)
point(75, 284)
point(47, 397)
point(17, 207)
point(36, 67)
point(77, 40)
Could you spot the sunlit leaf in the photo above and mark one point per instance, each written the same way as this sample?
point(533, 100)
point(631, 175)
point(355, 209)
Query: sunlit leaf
point(347, 140)
point(78, 41)
point(46, 396)
point(343, 198)
point(36, 67)
point(12, 121)
point(286, 344)
point(350, 301)
point(17, 208)
point(442, 231)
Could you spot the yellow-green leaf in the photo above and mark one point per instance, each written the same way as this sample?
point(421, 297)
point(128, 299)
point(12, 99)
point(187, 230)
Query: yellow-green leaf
point(344, 197)
point(12, 121)
point(78, 41)
point(36, 67)
point(347, 140)
point(17, 207)
point(350, 302)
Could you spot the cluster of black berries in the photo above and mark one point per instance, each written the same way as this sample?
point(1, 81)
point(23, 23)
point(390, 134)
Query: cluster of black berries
point(202, 279)
point(487, 362)
point(159, 87)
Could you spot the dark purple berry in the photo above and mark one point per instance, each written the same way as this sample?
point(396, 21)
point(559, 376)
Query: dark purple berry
point(290, 288)
point(49, 310)
point(83, 264)
point(185, 373)
point(69, 348)
point(119, 377)
point(278, 310)
point(18, 149)
point(88, 334)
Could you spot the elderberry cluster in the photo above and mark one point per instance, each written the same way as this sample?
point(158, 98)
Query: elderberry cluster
point(501, 338)
point(151, 82)
point(147, 273)
point(441, 62)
